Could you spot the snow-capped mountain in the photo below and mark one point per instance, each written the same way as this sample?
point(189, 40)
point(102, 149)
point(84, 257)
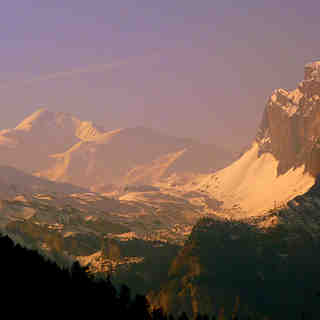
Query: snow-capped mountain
point(282, 161)
point(60, 147)
point(29, 145)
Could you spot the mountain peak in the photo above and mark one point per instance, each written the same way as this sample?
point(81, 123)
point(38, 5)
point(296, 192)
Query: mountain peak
point(284, 159)
point(312, 71)
point(43, 119)
point(289, 128)
point(40, 114)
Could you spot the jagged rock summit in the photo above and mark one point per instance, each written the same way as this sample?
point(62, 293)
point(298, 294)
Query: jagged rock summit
point(312, 71)
point(289, 128)
point(284, 158)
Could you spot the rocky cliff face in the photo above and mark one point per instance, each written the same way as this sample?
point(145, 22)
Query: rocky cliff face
point(284, 158)
point(267, 261)
point(290, 127)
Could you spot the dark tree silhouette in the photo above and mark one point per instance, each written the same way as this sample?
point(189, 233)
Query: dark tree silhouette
point(183, 316)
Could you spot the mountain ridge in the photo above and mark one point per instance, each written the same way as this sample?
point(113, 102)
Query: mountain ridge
point(60, 147)
point(284, 158)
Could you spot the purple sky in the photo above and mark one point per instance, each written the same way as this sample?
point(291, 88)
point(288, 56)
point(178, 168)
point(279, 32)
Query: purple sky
point(200, 69)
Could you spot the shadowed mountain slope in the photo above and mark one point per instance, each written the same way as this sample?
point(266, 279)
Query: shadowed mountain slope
point(13, 181)
point(133, 156)
point(267, 266)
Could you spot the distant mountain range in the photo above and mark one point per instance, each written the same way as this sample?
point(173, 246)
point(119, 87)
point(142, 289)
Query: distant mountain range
point(60, 147)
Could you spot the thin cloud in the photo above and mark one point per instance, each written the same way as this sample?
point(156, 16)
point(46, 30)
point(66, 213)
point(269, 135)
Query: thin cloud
point(67, 74)
point(75, 71)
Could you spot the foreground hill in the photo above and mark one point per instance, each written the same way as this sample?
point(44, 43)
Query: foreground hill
point(35, 286)
point(284, 158)
point(60, 147)
point(267, 266)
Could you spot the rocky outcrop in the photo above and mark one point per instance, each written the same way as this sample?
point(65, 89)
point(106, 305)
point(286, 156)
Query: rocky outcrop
point(284, 158)
point(290, 126)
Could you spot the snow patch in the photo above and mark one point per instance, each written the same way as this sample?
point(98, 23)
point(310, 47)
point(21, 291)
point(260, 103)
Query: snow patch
point(252, 183)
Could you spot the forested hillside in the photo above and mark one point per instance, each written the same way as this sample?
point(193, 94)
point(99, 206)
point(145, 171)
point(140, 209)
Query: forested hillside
point(237, 269)
point(36, 286)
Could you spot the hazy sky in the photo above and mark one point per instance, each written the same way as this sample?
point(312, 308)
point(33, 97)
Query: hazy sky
point(200, 69)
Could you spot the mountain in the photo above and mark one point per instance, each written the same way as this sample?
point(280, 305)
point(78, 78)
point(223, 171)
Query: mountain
point(247, 236)
point(284, 158)
point(29, 145)
point(132, 156)
point(257, 254)
point(60, 147)
point(259, 267)
point(69, 221)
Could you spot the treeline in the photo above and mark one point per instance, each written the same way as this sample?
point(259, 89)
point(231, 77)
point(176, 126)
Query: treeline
point(32, 285)
point(244, 271)
point(35, 286)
